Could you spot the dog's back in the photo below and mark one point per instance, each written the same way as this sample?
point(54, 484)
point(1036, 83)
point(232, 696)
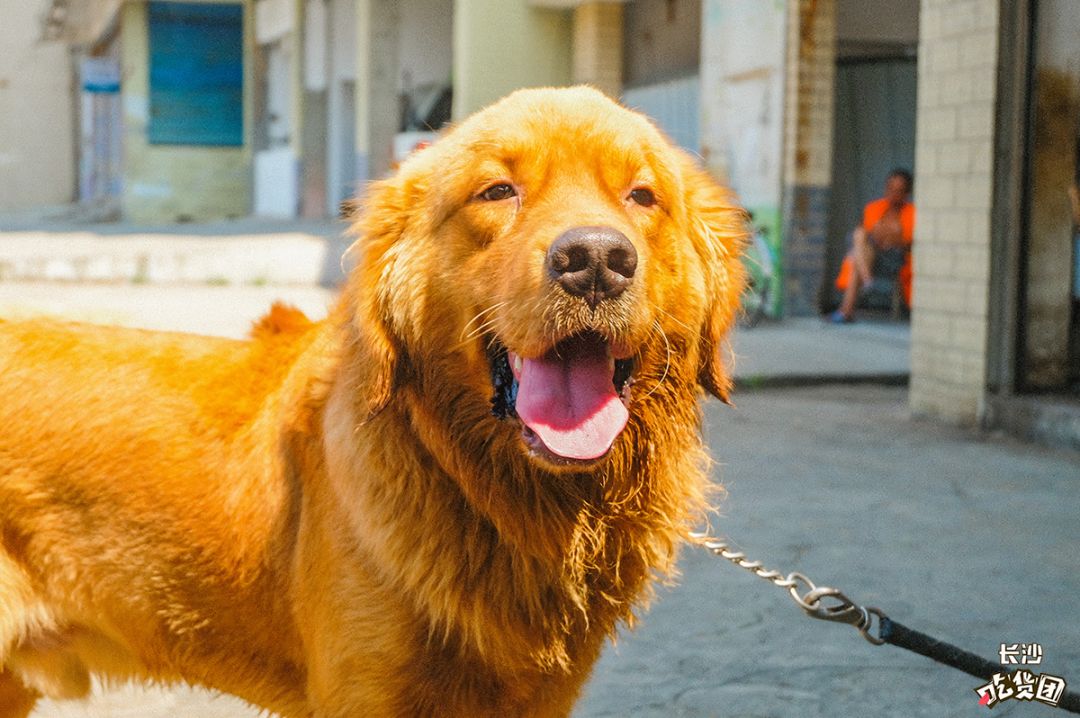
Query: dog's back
point(140, 510)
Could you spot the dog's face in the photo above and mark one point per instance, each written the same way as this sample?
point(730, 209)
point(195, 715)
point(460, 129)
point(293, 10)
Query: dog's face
point(556, 261)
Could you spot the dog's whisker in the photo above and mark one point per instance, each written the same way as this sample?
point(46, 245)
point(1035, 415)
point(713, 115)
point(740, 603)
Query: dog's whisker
point(482, 328)
point(479, 314)
point(478, 332)
point(667, 361)
point(669, 315)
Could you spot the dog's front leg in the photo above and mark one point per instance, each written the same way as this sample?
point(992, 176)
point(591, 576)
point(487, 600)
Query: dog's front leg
point(359, 641)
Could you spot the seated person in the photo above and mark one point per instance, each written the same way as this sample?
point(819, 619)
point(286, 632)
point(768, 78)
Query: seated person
point(881, 246)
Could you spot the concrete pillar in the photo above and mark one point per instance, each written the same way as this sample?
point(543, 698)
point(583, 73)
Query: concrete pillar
point(341, 105)
point(954, 183)
point(296, 83)
point(808, 129)
point(314, 91)
point(277, 167)
point(376, 86)
point(500, 46)
point(598, 43)
point(742, 106)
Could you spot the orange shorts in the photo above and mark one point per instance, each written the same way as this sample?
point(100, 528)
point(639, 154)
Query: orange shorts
point(904, 276)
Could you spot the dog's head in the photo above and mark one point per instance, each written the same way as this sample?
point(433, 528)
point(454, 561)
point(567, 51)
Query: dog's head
point(555, 261)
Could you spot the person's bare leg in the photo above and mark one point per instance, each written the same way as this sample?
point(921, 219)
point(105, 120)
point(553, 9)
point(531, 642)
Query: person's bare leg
point(862, 259)
point(862, 250)
point(851, 294)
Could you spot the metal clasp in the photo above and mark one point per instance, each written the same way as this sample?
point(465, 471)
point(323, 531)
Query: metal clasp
point(841, 609)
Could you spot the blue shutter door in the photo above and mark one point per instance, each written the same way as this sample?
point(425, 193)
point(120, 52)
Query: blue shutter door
point(196, 74)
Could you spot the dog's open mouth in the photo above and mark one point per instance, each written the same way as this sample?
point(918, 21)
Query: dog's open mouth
point(572, 401)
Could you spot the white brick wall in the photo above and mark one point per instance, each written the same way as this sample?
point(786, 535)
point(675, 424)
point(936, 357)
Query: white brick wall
point(953, 192)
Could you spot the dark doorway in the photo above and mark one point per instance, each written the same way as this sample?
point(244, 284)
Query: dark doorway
point(874, 132)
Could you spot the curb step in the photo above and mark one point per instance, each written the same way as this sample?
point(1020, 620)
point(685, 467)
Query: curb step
point(292, 258)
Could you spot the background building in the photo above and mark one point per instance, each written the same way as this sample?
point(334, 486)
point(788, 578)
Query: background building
point(284, 107)
point(996, 325)
point(37, 130)
point(162, 96)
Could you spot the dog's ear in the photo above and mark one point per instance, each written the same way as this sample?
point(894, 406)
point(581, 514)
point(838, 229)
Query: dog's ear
point(380, 221)
point(718, 228)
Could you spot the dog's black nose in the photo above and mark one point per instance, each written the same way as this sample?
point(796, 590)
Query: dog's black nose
point(595, 263)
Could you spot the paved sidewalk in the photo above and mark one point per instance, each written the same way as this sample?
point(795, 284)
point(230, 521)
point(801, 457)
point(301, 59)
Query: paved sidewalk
point(801, 351)
point(248, 251)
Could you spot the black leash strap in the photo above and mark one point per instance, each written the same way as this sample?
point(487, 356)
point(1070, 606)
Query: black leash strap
point(897, 634)
point(830, 604)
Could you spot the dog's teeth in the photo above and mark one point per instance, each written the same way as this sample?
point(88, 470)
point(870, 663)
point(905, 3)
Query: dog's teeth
point(517, 365)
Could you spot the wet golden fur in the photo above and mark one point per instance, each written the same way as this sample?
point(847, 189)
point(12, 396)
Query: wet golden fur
point(327, 520)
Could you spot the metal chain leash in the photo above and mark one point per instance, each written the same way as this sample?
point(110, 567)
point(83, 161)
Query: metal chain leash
point(824, 602)
point(830, 604)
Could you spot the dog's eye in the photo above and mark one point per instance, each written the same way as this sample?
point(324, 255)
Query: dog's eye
point(496, 192)
point(643, 196)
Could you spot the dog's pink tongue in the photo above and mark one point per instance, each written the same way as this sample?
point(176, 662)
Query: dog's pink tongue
point(571, 404)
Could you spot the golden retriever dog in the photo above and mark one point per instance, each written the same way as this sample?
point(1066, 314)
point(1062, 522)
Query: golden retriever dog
point(442, 499)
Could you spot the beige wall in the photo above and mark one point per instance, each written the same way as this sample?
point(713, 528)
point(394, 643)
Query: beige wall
point(598, 46)
point(37, 136)
point(89, 20)
point(958, 51)
point(501, 45)
point(743, 67)
point(426, 47)
point(164, 183)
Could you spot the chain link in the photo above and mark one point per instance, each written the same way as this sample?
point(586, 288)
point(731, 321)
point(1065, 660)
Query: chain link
point(839, 609)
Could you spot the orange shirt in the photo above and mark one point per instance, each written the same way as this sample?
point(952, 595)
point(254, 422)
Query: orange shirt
point(874, 211)
point(872, 214)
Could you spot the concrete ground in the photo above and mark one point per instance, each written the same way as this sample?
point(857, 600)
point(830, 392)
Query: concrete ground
point(800, 351)
point(967, 537)
point(971, 539)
